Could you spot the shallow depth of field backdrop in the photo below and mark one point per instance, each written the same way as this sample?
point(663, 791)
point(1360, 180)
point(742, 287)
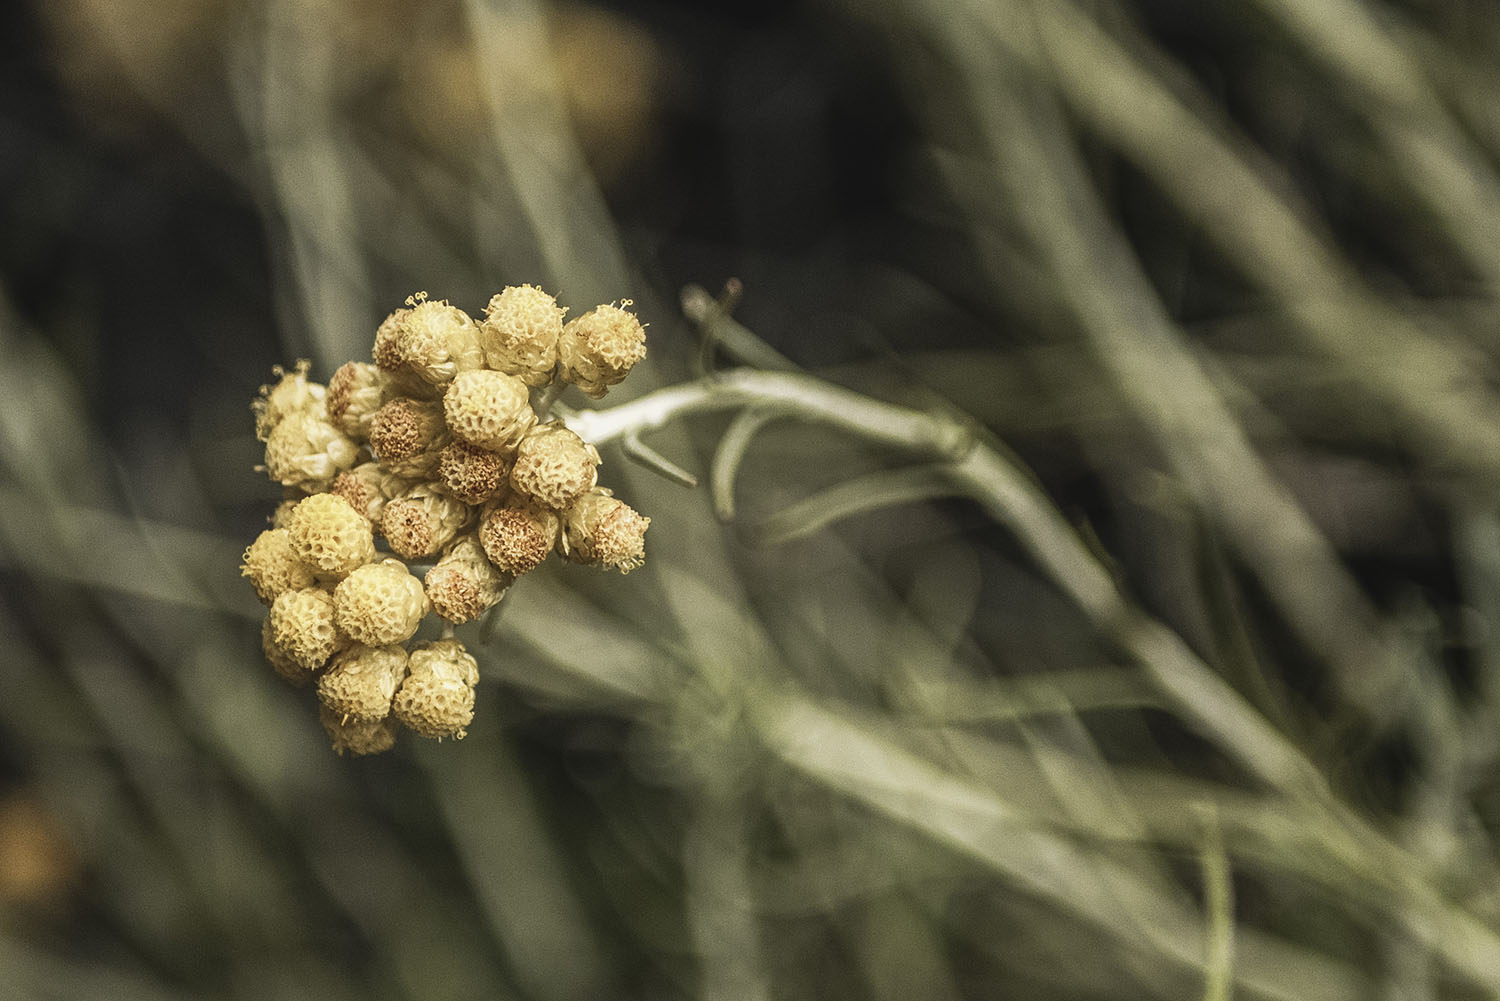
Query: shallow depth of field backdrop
point(1093, 588)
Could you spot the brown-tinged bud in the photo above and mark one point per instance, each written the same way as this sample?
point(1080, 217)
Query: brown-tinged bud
point(354, 394)
point(517, 537)
point(329, 535)
point(599, 348)
point(380, 604)
point(519, 333)
point(292, 394)
point(423, 520)
point(273, 566)
point(464, 584)
point(303, 627)
point(367, 488)
point(281, 662)
point(305, 451)
point(470, 473)
point(488, 409)
point(603, 531)
point(361, 682)
point(554, 467)
point(437, 698)
point(438, 341)
point(390, 358)
point(407, 435)
point(358, 738)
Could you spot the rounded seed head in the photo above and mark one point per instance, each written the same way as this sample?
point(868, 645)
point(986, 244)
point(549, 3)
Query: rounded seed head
point(517, 538)
point(422, 521)
point(387, 347)
point(406, 435)
point(379, 604)
point(554, 467)
point(303, 627)
point(603, 531)
point(599, 348)
point(273, 566)
point(488, 409)
point(464, 584)
point(470, 473)
point(329, 535)
point(354, 394)
point(519, 333)
point(292, 393)
point(438, 341)
point(281, 662)
point(305, 451)
point(357, 738)
point(437, 698)
point(361, 682)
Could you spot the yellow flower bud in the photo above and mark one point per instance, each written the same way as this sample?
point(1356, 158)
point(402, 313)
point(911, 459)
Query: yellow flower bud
point(379, 604)
point(517, 537)
point(470, 473)
point(422, 521)
point(329, 535)
point(438, 341)
point(464, 584)
point(554, 467)
point(292, 394)
point(361, 682)
point(355, 737)
point(437, 698)
point(304, 450)
point(281, 662)
point(354, 394)
point(599, 348)
point(603, 531)
point(407, 435)
point(519, 333)
point(303, 627)
point(488, 409)
point(272, 565)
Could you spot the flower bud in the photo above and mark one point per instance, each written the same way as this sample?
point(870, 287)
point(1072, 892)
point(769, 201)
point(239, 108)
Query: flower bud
point(361, 682)
point(272, 565)
point(422, 521)
point(354, 394)
point(379, 604)
point(517, 537)
point(464, 584)
point(519, 333)
point(329, 535)
point(407, 435)
point(281, 662)
point(554, 466)
point(488, 409)
point(470, 473)
point(437, 698)
point(603, 531)
point(292, 394)
point(387, 347)
point(599, 348)
point(438, 341)
point(303, 627)
point(304, 450)
point(355, 737)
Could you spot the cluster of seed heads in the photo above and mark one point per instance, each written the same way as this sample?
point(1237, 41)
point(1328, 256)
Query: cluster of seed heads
point(431, 454)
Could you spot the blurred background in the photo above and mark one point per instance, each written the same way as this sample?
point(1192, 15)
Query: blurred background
point(1174, 673)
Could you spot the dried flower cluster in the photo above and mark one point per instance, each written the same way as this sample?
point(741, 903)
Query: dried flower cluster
point(434, 454)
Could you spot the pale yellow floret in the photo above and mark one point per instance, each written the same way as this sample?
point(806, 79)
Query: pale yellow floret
point(554, 467)
point(379, 604)
point(272, 565)
point(603, 531)
point(488, 409)
point(517, 538)
point(329, 535)
point(303, 627)
point(355, 392)
point(599, 348)
point(520, 332)
point(464, 584)
point(438, 341)
point(305, 451)
point(292, 393)
point(281, 662)
point(437, 698)
point(357, 738)
point(361, 682)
